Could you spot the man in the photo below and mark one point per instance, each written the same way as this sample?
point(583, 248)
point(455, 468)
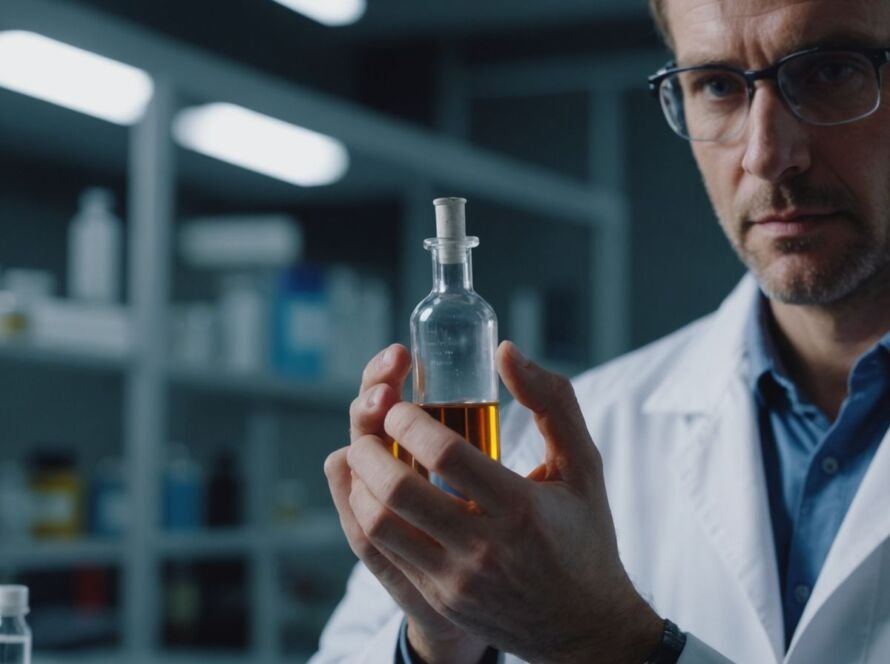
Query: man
point(745, 458)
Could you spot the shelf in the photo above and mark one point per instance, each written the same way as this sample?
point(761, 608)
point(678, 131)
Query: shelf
point(61, 553)
point(164, 657)
point(27, 353)
point(87, 656)
point(264, 386)
point(209, 543)
point(209, 657)
point(316, 530)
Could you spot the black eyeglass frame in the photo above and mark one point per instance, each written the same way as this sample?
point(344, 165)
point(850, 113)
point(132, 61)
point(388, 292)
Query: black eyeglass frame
point(878, 57)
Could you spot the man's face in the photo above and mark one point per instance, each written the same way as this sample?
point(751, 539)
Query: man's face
point(806, 208)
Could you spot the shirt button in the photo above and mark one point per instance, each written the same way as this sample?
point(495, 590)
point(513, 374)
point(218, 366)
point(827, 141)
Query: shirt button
point(830, 465)
point(802, 593)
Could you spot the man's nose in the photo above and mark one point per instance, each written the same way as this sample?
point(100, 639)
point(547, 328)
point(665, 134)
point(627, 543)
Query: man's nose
point(777, 141)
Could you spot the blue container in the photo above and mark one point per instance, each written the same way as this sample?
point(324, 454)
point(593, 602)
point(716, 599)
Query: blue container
point(183, 494)
point(302, 329)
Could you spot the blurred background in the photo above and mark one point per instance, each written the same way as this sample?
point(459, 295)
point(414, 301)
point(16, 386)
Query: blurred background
point(212, 215)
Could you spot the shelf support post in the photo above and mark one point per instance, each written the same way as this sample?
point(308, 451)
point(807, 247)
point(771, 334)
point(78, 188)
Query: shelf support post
point(151, 180)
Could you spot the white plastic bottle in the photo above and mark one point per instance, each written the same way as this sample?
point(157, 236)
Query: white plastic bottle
point(15, 635)
point(94, 249)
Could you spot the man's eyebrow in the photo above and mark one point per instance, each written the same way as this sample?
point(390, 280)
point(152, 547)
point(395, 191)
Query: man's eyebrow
point(841, 39)
point(696, 60)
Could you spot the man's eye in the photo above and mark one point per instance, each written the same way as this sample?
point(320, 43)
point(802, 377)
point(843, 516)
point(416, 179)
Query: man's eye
point(833, 72)
point(717, 86)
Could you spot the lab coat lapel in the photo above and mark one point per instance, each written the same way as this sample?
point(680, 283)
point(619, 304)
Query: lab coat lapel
point(865, 527)
point(722, 470)
point(719, 461)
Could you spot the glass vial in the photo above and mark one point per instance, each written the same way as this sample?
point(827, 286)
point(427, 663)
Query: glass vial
point(15, 636)
point(453, 341)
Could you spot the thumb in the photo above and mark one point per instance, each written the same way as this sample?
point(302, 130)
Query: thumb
point(571, 453)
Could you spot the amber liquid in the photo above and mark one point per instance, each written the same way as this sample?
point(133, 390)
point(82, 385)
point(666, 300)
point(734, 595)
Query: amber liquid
point(475, 422)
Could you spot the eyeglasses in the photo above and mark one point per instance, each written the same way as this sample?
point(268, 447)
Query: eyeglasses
point(821, 86)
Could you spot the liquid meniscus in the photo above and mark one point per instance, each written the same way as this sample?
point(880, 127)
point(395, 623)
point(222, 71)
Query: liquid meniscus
point(477, 423)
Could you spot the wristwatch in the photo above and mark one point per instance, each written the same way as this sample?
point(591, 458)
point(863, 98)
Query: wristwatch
point(672, 643)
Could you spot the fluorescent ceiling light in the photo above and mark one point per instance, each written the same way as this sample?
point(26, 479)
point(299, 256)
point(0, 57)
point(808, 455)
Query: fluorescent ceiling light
point(263, 144)
point(71, 77)
point(328, 12)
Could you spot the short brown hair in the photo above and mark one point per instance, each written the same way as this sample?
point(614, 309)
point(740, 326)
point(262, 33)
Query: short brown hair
point(657, 9)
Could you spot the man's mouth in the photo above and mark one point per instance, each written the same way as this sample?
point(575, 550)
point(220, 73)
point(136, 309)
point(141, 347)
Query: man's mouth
point(794, 223)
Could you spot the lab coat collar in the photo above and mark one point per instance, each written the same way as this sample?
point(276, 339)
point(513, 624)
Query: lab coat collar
point(721, 468)
point(710, 360)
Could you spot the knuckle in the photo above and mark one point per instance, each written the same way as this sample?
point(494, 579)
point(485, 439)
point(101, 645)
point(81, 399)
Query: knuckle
point(395, 489)
point(483, 556)
point(457, 595)
point(447, 456)
point(359, 445)
point(400, 421)
point(370, 369)
point(363, 549)
point(436, 599)
point(377, 524)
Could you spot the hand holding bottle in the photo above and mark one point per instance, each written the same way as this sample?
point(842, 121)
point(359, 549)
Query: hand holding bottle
point(529, 564)
point(382, 381)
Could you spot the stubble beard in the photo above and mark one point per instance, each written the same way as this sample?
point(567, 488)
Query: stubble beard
point(792, 271)
point(789, 275)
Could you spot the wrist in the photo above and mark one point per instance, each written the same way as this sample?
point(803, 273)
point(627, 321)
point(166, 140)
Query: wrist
point(629, 633)
point(644, 636)
point(456, 649)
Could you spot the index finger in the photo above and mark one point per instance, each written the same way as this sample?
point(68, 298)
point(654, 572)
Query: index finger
point(382, 382)
point(389, 366)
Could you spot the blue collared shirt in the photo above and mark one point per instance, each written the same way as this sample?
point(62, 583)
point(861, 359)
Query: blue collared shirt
point(813, 466)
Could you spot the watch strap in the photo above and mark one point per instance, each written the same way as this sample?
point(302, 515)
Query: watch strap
point(672, 643)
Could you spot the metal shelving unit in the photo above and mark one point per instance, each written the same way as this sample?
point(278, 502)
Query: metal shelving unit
point(428, 159)
point(26, 353)
point(30, 554)
point(314, 531)
point(263, 387)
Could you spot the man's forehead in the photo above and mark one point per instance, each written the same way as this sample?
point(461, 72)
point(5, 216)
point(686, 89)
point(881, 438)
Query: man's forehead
point(752, 33)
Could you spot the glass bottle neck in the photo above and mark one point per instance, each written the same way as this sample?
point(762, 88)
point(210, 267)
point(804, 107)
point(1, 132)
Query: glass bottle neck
point(452, 276)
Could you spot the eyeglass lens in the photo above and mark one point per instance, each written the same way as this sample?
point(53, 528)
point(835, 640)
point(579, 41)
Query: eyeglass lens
point(821, 88)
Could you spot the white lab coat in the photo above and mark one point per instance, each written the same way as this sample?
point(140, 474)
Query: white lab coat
point(675, 423)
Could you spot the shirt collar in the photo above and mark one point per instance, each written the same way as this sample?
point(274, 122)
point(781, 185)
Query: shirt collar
point(768, 377)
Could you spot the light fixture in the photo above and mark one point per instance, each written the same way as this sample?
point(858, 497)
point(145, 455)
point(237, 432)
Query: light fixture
point(261, 143)
point(41, 67)
point(328, 12)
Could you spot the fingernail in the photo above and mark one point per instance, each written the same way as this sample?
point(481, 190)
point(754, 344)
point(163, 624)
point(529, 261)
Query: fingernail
point(389, 357)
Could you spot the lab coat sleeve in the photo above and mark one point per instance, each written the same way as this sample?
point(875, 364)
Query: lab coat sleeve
point(364, 629)
point(698, 652)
